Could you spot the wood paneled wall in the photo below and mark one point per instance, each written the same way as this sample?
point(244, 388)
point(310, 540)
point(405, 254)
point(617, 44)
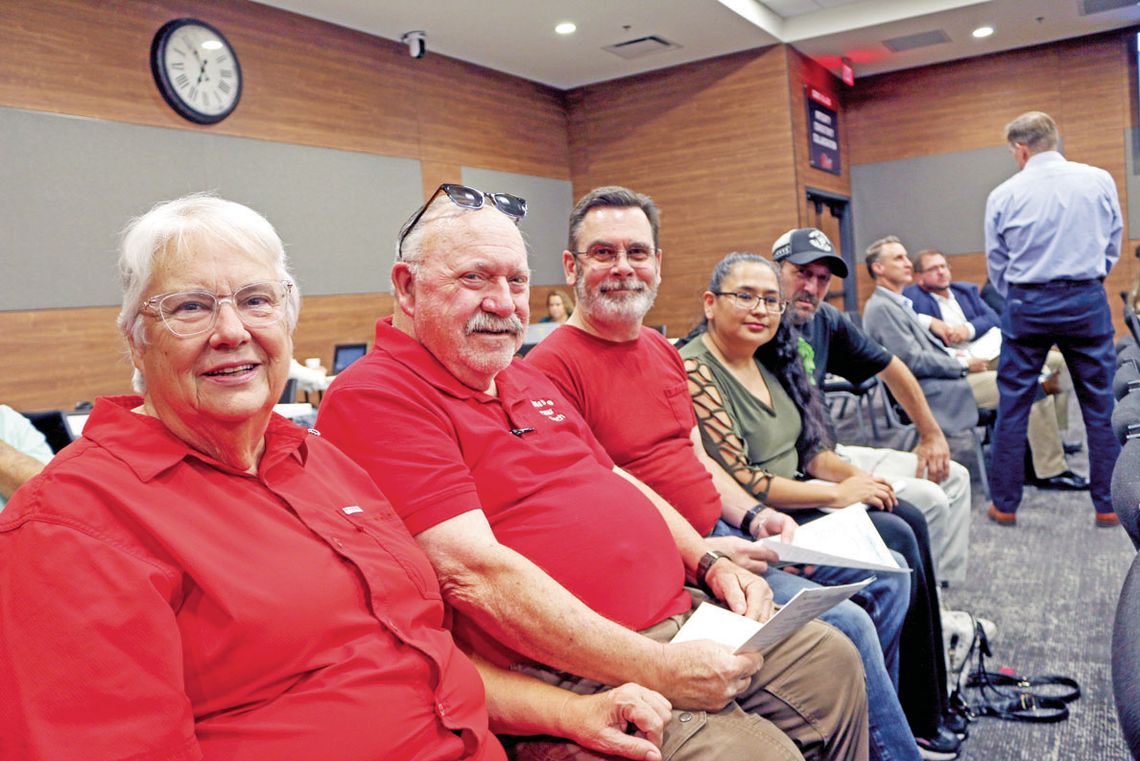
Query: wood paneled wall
point(720, 144)
point(711, 142)
point(1083, 84)
point(306, 82)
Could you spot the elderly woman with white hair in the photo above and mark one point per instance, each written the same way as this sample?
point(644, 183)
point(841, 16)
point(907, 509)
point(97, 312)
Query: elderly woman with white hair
point(199, 578)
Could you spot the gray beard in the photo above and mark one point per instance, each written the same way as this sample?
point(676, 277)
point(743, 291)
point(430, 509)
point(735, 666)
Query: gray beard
point(626, 308)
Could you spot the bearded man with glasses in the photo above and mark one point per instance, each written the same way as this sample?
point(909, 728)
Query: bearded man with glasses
point(630, 386)
point(555, 561)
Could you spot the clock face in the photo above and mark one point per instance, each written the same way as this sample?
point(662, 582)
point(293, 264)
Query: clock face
point(196, 70)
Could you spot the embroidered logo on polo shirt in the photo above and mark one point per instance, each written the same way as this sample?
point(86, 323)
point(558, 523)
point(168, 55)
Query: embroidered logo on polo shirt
point(352, 509)
point(545, 408)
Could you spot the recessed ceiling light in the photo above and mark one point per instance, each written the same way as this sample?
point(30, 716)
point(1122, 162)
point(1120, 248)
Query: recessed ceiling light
point(566, 27)
point(983, 31)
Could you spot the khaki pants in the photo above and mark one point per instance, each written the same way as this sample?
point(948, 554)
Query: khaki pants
point(806, 702)
point(1044, 434)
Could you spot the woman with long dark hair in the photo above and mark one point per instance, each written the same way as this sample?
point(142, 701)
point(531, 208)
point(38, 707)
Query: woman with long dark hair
point(762, 421)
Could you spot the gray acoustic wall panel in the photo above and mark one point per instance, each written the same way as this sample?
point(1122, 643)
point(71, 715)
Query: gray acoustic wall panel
point(929, 202)
point(70, 185)
point(548, 206)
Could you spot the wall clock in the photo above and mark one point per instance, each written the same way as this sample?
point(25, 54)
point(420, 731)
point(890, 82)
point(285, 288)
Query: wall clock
point(196, 70)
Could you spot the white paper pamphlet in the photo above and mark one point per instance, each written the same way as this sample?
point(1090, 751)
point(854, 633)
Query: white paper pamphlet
point(844, 538)
point(744, 635)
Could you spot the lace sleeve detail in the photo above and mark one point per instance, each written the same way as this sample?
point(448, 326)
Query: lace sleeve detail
point(723, 443)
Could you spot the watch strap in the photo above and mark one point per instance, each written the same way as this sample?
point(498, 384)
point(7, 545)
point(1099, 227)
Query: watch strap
point(705, 563)
point(746, 521)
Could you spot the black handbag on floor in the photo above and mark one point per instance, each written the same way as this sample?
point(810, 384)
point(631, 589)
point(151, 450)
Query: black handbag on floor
point(1007, 695)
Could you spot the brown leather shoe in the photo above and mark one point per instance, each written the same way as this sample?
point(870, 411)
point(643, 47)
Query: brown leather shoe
point(1003, 519)
point(1107, 520)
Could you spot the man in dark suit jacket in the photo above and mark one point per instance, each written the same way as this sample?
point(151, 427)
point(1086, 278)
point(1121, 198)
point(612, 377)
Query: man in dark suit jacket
point(933, 292)
point(959, 315)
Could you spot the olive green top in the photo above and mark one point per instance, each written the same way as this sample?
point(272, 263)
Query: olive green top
point(741, 431)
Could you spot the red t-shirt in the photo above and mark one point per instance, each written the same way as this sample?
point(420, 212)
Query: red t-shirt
point(635, 397)
point(438, 448)
point(157, 604)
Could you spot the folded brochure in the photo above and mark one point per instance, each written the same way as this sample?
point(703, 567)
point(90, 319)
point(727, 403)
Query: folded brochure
point(744, 635)
point(844, 538)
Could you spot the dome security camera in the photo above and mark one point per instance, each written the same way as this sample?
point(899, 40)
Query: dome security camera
point(416, 42)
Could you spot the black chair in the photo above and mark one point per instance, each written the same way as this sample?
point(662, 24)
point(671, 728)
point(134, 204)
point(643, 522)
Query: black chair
point(1126, 379)
point(1128, 352)
point(1126, 417)
point(1126, 657)
point(1126, 488)
point(840, 391)
point(1132, 321)
point(985, 423)
point(53, 426)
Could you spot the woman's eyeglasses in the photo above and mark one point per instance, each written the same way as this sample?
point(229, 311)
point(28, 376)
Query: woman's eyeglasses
point(188, 313)
point(749, 301)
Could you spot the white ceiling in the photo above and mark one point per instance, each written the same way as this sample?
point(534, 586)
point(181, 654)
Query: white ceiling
point(517, 36)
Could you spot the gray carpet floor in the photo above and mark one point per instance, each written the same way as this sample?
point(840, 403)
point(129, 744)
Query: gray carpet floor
point(1051, 585)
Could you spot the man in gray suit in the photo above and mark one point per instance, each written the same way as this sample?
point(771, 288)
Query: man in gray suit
point(955, 385)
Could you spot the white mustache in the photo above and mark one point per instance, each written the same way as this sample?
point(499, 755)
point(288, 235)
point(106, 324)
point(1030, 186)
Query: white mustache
point(484, 322)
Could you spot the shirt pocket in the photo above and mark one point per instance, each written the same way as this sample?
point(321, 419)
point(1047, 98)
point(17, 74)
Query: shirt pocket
point(681, 407)
point(406, 553)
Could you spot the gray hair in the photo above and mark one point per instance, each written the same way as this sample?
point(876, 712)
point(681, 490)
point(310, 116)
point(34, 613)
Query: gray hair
point(174, 226)
point(410, 250)
point(875, 250)
point(439, 214)
point(613, 196)
point(1034, 129)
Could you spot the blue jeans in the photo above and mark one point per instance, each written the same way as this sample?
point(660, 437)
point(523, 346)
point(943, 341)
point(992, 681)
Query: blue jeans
point(874, 632)
point(1075, 317)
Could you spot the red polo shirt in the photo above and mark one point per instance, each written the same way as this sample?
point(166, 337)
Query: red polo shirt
point(157, 604)
point(438, 448)
point(635, 397)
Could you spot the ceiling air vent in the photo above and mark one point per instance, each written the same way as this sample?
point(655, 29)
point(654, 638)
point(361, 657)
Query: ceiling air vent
point(920, 40)
point(1089, 7)
point(641, 47)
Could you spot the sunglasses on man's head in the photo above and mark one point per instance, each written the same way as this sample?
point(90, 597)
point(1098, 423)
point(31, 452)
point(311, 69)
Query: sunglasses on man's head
point(467, 198)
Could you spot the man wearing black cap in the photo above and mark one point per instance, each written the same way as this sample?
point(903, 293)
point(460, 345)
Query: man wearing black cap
point(831, 343)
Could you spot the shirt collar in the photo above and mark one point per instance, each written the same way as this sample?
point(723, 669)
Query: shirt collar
point(148, 447)
point(898, 298)
point(1043, 158)
point(413, 355)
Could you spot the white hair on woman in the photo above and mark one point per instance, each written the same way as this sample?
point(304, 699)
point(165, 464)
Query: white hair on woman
point(199, 220)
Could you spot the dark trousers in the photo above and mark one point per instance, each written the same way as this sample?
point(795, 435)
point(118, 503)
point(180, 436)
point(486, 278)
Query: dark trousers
point(1073, 315)
point(922, 664)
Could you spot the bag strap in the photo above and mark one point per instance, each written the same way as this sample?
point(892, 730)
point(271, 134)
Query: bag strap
point(1013, 697)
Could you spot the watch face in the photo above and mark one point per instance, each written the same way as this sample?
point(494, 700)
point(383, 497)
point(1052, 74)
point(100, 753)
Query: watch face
point(196, 70)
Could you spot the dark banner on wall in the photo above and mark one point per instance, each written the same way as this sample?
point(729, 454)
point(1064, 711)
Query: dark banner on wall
point(823, 131)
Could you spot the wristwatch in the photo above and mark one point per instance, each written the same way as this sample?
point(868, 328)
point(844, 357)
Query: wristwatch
point(746, 521)
point(705, 563)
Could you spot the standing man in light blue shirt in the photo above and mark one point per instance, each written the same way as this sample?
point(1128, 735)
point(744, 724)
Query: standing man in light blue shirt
point(1052, 235)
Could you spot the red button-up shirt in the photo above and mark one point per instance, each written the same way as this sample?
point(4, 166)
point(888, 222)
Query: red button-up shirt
point(438, 448)
point(156, 603)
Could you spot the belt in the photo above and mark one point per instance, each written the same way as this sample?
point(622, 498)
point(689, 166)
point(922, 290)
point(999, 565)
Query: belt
point(1060, 283)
